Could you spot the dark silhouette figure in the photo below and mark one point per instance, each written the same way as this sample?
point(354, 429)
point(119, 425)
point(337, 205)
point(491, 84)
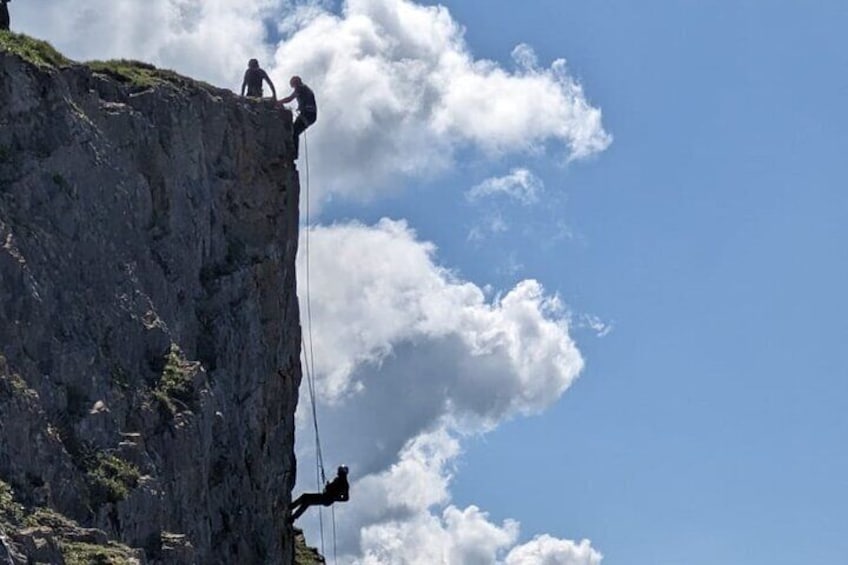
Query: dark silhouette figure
point(306, 107)
point(4, 14)
point(336, 490)
point(253, 78)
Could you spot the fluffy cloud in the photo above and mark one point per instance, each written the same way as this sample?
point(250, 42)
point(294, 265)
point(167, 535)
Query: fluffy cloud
point(377, 289)
point(409, 360)
point(401, 93)
point(546, 550)
point(398, 90)
point(209, 39)
point(464, 537)
point(520, 184)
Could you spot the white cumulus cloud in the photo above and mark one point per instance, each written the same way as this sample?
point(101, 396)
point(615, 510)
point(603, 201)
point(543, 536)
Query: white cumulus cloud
point(401, 92)
point(546, 550)
point(409, 360)
point(377, 288)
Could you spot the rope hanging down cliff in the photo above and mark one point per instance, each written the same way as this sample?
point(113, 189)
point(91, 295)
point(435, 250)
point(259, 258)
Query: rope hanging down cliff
point(309, 357)
point(307, 114)
point(338, 489)
point(309, 360)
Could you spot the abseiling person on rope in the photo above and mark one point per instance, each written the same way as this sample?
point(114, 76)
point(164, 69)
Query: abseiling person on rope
point(337, 490)
point(307, 109)
point(253, 78)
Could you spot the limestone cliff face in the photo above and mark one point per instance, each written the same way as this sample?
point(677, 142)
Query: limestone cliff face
point(149, 328)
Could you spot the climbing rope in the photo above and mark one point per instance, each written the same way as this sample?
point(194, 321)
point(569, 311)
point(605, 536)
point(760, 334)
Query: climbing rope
point(309, 356)
point(320, 477)
point(311, 374)
point(335, 556)
point(309, 363)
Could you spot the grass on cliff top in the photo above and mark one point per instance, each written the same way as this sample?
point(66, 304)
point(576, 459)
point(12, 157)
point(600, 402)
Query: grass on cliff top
point(134, 73)
point(33, 50)
point(144, 75)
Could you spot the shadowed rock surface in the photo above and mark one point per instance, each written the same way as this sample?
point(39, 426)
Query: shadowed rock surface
point(149, 328)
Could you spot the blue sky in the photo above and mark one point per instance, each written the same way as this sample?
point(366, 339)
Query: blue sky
point(709, 425)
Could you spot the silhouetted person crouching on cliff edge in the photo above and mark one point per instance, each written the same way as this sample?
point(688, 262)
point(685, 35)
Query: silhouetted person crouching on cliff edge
point(307, 109)
point(4, 14)
point(336, 490)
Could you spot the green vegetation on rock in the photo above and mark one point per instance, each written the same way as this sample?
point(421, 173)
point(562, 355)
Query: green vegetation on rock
point(128, 72)
point(48, 518)
point(78, 553)
point(175, 389)
point(135, 72)
point(10, 511)
point(51, 524)
point(11, 384)
point(111, 479)
point(35, 51)
point(142, 75)
point(303, 554)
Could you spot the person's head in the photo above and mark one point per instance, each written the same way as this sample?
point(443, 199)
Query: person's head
point(253, 64)
point(342, 468)
point(294, 83)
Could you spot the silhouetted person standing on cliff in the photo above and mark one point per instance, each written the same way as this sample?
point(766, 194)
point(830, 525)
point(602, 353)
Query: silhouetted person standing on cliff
point(253, 78)
point(4, 14)
point(336, 490)
point(307, 109)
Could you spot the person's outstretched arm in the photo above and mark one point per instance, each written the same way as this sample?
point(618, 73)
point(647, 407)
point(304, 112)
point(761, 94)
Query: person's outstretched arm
point(289, 98)
point(271, 84)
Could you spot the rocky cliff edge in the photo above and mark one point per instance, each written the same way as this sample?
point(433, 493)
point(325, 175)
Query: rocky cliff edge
point(149, 329)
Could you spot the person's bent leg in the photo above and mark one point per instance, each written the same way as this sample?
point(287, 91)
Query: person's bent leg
point(305, 501)
point(299, 125)
point(310, 118)
point(298, 128)
point(297, 513)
